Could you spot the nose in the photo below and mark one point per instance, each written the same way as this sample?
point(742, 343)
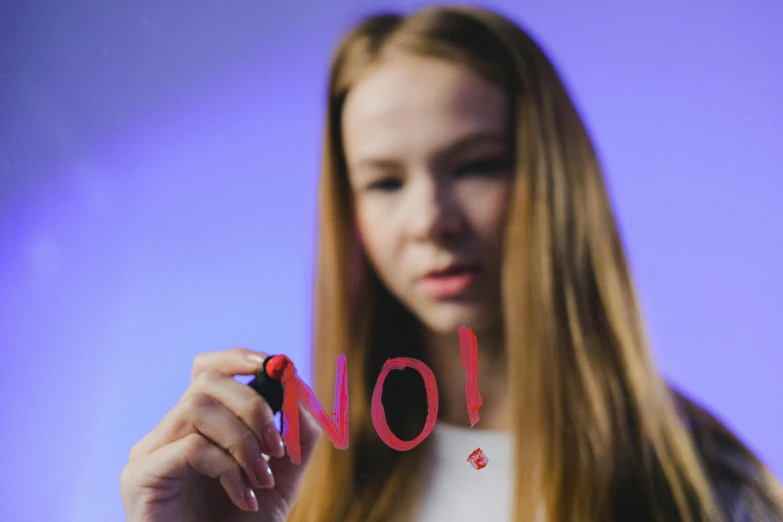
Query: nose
point(434, 214)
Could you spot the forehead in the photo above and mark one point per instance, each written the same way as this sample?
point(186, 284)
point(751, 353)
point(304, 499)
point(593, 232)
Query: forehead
point(409, 105)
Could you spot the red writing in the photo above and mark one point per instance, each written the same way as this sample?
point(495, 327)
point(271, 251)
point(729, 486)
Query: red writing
point(295, 391)
point(468, 352)
point(335, 426)
point(378, 415)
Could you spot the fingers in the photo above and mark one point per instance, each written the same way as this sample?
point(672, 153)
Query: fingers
point(237, 361)
point(216, 422)
point(209, 367)
point(194, 454)
point(224, 430)
point(200, 412)
point(246, 404)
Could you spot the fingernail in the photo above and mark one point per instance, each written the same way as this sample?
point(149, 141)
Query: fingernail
point(262, 471)
point(252, 501)
point(271, 476)
point(255, 359)
point(273, 442)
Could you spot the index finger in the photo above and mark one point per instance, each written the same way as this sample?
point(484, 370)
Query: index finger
point(237, 361)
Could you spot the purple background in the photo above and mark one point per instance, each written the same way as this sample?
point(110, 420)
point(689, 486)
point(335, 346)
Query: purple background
point(158, 163)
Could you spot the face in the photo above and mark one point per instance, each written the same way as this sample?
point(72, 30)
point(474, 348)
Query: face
point(429, 158)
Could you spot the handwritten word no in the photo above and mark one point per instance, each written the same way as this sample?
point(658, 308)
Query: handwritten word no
point(335, 426)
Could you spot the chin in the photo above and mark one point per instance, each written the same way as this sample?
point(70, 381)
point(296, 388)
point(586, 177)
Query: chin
point(446, 319)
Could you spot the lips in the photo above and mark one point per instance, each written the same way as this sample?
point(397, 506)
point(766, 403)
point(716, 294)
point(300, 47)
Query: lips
point(453, 269)
point(450, 282)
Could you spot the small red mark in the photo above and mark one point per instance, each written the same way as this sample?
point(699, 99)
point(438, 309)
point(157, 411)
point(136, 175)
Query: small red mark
point(478, 459)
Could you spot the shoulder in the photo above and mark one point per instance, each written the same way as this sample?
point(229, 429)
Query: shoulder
point(744, 487)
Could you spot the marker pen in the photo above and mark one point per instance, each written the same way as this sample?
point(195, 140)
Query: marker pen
point(268, 380)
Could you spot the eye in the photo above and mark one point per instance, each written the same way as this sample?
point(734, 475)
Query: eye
point(486, 166)
point(385, 185)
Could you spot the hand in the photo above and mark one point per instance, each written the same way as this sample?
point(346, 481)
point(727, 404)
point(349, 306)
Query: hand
point(204, 462)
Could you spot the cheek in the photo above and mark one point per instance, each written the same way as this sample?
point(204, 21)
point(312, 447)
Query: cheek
point(498, 217)
point(488, 209)
point(377, 239)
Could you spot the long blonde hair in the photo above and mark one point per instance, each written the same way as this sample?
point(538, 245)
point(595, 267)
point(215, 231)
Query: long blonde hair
point(598, 435)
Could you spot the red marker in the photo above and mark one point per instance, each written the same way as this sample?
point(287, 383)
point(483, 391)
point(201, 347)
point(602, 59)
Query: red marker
point(268, 380)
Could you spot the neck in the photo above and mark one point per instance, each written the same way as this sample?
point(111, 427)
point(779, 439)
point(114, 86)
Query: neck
point(444, 356)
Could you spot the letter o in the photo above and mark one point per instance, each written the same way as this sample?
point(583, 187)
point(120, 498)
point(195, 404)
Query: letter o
point(379, 415)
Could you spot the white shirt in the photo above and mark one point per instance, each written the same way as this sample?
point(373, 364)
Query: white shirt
point(455, 491)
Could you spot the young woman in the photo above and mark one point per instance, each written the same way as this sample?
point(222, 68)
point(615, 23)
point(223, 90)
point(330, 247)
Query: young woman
point(459, 187)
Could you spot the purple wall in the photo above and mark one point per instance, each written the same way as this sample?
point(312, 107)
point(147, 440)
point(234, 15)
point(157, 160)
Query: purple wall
point(158, 163)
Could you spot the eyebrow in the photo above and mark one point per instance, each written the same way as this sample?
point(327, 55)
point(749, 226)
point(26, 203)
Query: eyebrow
point(466, 141)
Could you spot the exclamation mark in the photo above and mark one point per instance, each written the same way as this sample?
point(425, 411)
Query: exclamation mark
point(468, 352)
